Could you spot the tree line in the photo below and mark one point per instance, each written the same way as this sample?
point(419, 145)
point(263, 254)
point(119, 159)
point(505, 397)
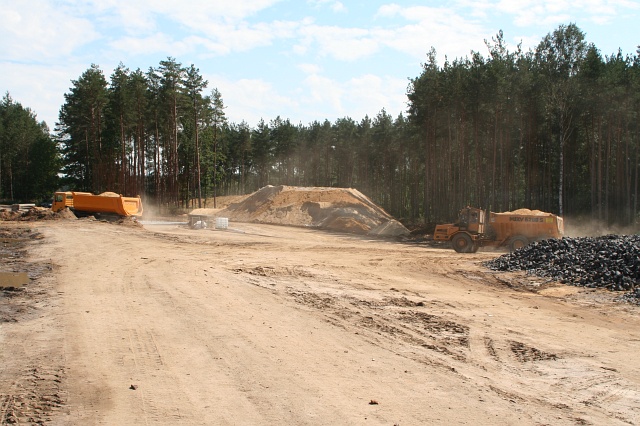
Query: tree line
point(554, 128)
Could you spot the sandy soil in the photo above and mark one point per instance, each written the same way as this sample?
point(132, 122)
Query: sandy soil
point(264, 324)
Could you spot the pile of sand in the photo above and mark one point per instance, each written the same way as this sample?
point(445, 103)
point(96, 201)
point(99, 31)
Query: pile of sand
point(336, 209)
point(527, 212)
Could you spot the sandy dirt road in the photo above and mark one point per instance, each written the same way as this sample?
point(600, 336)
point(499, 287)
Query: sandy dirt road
point(264, 324)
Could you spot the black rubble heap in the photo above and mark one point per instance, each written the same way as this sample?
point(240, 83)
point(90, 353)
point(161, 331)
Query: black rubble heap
point(611, 262)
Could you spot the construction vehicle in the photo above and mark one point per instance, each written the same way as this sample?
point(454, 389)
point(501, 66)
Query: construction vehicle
point(509, 229)
point(106, 205)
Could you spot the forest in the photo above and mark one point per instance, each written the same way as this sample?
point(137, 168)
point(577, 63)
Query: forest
point(554, 128)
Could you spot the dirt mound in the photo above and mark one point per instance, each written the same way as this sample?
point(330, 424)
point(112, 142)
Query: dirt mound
point(36, 213)
point(336, 209)
point(131, 221)
point(9, 214)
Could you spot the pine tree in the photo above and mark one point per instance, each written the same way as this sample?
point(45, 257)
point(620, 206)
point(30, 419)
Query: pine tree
point(194, 85)
point(81, 128)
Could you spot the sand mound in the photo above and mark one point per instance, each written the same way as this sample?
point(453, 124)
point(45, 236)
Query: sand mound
point(66, 214)
point(527, 212)
point(336, 209)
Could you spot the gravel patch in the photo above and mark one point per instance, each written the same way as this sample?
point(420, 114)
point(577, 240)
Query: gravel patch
point(611, 262)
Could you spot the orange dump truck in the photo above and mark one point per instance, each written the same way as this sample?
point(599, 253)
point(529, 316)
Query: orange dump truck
point(511, 229)
point(105, 204)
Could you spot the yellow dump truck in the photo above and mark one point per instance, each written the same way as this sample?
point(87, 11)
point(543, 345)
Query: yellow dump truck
point(107, 204)
point(509, 229)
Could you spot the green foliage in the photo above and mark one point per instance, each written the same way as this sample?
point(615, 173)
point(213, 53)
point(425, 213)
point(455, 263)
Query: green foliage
point(29, 159)
point(81, 129)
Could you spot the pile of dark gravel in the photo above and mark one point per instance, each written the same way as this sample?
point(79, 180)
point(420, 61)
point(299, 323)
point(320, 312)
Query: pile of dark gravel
point(611, 262)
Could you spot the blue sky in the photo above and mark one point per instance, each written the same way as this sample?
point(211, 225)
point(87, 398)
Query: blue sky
point(304, 60)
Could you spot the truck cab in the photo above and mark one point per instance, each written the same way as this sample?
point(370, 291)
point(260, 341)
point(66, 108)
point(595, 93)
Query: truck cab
point(471, 220)
point(62, 200)
point(465, 233)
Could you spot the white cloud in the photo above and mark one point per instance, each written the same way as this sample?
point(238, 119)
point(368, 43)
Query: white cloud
point(540, 14)
point(316, 97)
point(389, 10)
point(155, 43)
point(251, 99)
point(355, 97)
point(444, 28)
point(309, 68)
point(131, 18)
point(40, 87)
point(338, 7)
point(322, 90)
point(246, 37)
point(34, 33)
point(194, 13)
point(345, 44)
point(335, 6)
point(481, 9)
point(372, 91)
point(215, 37)
point(551, 12)
point(449, 32)
point(56, 30)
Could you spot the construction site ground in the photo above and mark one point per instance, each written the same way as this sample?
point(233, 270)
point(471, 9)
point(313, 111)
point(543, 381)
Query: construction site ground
point(262, 324)
point(267, 324)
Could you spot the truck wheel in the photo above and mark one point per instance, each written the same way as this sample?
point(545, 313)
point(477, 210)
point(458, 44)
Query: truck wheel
point(518, 242)
point(462, 243)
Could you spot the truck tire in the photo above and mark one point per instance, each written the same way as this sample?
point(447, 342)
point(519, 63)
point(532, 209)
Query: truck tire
point(518, 242)
point(462, 243)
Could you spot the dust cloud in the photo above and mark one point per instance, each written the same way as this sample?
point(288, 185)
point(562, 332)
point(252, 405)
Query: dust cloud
point(588, 227)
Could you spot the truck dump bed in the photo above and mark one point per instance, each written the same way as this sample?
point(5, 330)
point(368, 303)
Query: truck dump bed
point(532, 224)
point(107, 203)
